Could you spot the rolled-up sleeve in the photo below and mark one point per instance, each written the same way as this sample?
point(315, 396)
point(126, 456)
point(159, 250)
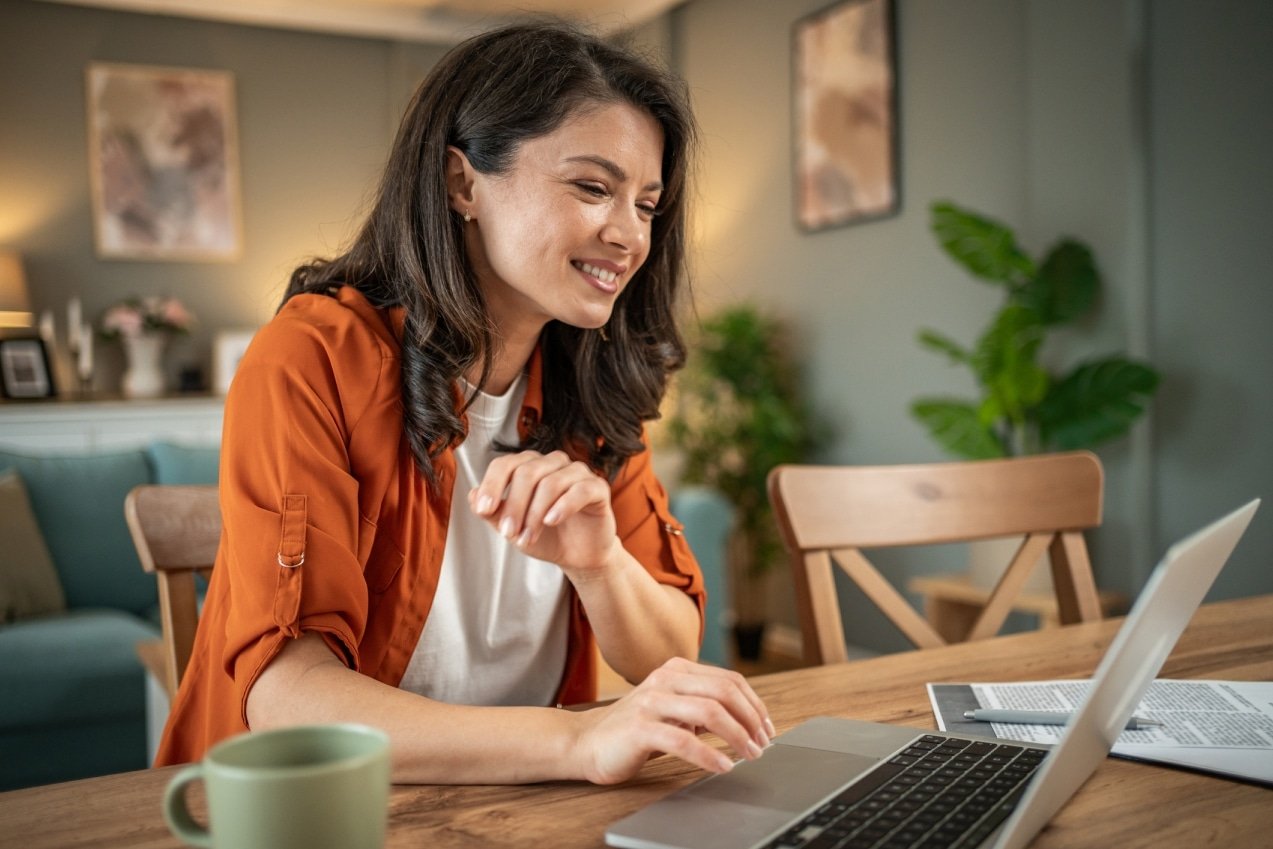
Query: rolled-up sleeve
point(289, 499)
point(650, 532)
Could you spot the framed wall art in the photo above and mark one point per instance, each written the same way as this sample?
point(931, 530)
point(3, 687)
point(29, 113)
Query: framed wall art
point(228, 347)
point(25, 371)
point(845, 121)
point(163, 162)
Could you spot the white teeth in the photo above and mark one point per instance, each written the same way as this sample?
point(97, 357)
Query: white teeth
point(599, 273)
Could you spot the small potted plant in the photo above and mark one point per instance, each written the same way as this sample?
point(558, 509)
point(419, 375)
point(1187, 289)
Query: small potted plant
point(1025, 408)
point(739, 413)
point(143, 326)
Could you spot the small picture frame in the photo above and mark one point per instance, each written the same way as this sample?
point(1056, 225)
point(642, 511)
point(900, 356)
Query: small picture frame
point(228, 348)
point(24, 369)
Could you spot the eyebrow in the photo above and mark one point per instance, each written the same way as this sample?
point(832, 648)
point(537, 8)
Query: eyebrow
point(613, 169)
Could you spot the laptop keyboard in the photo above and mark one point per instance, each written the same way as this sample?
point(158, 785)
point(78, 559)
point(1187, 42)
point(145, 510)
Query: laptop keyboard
point(939, 792)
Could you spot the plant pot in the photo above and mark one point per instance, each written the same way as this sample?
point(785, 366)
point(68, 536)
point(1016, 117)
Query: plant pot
point(749, 638)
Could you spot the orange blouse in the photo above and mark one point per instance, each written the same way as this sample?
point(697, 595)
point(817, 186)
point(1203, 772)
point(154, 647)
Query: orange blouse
point(330, 527)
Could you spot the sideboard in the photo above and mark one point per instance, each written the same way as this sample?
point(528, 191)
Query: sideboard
point(107, 422)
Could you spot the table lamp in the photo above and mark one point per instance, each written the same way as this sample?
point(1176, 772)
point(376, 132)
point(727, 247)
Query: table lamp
point(15, 303)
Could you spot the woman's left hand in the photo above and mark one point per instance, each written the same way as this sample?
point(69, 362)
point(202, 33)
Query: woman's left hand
point(551, 507)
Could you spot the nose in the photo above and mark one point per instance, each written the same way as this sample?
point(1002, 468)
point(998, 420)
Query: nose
point(626, 229)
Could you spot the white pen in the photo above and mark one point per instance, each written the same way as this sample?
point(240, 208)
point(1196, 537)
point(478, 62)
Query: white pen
point(1043, 717)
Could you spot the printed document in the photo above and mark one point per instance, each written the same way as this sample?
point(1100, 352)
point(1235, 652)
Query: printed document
point(1215, 726)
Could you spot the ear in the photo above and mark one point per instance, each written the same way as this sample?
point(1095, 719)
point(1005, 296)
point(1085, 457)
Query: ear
point(460, 176)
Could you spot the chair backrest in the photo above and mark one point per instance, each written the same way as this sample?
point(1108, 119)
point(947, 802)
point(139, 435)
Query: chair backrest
point(831, 513)
point(176, 530)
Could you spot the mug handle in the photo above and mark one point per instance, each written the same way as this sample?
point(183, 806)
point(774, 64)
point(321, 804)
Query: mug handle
point(178, 815)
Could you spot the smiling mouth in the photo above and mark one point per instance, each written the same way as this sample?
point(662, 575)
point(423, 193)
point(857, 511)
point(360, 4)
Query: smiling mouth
point(600, 273)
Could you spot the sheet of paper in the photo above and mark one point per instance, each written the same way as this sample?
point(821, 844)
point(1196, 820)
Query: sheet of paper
point(1210, 714)
point(1225, 713)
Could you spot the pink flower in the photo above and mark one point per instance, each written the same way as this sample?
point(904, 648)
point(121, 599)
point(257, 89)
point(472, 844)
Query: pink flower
point(135, 316)
point(122, 320)
point(174, 312)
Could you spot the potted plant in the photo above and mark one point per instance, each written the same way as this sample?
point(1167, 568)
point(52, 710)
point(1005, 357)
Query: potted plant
point(1024, 407)
point(739, 413)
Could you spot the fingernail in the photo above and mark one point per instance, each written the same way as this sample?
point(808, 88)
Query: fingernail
point(725, 763)
point(524, 539)
point(763, 740)
point(773, 732)
point(754, 750)
point(484, 504)
point(506, 527)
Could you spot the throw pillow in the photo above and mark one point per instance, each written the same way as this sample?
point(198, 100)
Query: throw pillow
point(29, 585)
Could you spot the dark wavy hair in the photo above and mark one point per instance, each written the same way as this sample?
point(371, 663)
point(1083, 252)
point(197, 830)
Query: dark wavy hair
point(487, 96)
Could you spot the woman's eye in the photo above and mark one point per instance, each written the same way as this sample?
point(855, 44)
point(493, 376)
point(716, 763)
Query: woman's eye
point(649, 210)
point(597, 191)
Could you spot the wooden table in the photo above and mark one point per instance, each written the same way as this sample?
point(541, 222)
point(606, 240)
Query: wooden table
point(1125, 804)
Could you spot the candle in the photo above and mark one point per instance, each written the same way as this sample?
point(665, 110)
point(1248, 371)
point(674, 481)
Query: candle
point(46, 329)
point(86, 353)
point(74, 323)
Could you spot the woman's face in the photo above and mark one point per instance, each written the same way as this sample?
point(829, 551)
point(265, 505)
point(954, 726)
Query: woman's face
point(562, 233)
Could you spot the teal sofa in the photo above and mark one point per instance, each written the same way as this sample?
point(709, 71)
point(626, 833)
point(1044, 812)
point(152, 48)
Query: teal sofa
point(72, 691)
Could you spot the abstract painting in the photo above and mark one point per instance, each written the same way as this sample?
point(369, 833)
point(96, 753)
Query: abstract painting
point(846, 115)
point(163, 158)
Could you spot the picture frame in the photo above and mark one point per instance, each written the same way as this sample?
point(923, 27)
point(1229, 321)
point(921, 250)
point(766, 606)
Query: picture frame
point(163, 163)
point(25, 370)
point(845, 115)
point(228, 348)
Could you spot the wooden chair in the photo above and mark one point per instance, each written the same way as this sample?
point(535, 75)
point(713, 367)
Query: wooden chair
point(176, 530)
point(828, 513)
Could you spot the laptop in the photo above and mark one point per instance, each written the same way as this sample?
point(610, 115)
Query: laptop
point(834, 783)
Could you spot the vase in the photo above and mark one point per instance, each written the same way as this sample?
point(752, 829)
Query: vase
point(144, 377)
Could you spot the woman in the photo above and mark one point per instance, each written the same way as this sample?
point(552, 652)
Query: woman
point(435, 488)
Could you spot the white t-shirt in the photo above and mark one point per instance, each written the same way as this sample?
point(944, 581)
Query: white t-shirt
point(497, 631)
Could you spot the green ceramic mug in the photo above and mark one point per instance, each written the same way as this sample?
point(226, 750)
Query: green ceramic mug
point(308, 787)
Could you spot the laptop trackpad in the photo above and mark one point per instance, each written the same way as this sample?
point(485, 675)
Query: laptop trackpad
point(787, 778)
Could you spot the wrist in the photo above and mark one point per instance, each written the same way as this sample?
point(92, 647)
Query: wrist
point(604, 567)
point(574, 759)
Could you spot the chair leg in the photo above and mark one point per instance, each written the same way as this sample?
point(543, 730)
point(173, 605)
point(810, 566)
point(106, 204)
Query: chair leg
point(1076, 596)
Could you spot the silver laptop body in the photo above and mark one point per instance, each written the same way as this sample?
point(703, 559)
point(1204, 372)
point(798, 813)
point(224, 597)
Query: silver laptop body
point(758, 801)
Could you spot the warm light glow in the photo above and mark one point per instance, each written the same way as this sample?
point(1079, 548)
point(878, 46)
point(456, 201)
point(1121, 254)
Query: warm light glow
point(15, 303)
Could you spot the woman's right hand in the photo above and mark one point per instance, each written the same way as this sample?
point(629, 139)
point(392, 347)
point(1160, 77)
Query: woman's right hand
point(665, 713)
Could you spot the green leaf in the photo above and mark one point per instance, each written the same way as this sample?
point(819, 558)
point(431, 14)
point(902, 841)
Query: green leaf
point(983, 246)
point(935, 341)
point(1096, 402)
point(955, 426)
point(1065, 287)
point(1005, 361)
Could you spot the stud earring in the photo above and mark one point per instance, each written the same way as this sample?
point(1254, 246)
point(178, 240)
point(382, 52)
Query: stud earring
point(467, 217)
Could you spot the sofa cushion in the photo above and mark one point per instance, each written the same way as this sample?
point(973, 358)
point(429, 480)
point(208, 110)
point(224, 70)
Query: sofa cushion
point(78, 500)
point(184, 464)
point(76, 667)
point(29, 584)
